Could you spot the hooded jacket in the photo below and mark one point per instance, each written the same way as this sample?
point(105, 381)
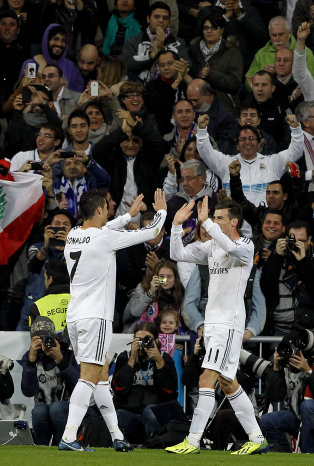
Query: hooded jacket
point(69, 68)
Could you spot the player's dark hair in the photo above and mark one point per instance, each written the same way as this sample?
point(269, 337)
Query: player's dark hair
point(90, 200)
point(234, 210)
point(58, 271)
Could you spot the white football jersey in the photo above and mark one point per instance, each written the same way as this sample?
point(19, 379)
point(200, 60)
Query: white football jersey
point(229, 264)
point(91, 261)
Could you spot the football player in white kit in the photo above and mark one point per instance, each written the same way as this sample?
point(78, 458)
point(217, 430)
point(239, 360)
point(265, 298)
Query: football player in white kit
point(90, 256)
point(230, 258)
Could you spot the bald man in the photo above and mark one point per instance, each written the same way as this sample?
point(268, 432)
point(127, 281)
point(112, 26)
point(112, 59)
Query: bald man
point(223, 124)
point(87, 60)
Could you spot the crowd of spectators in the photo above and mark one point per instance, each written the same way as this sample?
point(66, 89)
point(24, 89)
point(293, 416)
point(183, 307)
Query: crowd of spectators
point(198, 98)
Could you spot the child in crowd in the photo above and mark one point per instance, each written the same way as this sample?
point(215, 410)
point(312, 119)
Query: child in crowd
point(168, 323)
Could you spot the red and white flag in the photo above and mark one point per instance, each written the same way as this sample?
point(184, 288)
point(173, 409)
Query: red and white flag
point(21, 205)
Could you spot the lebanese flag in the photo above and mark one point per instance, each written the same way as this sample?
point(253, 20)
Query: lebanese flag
point(21, 205)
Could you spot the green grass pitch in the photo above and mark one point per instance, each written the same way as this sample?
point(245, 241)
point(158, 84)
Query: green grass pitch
point(50, 456)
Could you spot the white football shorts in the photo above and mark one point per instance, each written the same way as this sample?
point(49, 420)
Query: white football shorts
point(223, 345)
point(91, 339)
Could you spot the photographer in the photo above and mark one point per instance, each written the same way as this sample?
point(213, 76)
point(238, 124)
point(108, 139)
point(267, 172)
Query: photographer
point(145, 386)
point(50, 373)
point(6, 388)
point(287, 278)
point(291, 380)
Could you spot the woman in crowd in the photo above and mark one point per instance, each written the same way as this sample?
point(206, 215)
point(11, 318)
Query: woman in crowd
point(121, 26)
point(157, 291)
point(101, 120)
point(216, 60)
point(111, 71)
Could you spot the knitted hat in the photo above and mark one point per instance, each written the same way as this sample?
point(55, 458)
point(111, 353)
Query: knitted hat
point(42, 327)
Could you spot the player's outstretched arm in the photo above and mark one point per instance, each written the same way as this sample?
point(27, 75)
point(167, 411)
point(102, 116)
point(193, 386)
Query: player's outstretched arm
point(202, 209)
point(160, 200)
point(194, 252)
point(137, 206)
point(183, 214)
point(123, 239)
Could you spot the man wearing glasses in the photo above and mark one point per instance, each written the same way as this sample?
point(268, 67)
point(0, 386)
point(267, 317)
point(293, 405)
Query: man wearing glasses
point(64, 100)
point(48, 139)
point(257, 170)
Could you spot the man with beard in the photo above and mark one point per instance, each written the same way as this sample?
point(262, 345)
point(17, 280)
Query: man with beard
point(53, 52)
point(87, 61)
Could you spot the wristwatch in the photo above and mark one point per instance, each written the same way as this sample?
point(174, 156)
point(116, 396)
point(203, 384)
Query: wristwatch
point(308, 374)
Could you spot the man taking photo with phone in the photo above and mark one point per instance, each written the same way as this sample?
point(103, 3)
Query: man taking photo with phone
point(48, 139)
point(33, 107)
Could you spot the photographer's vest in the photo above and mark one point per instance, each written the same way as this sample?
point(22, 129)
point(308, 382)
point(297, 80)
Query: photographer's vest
point(55, 307)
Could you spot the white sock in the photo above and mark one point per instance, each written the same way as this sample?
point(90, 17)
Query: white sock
point(205, 405)
point(105, 405)
point(244, 411)
point(79, 403)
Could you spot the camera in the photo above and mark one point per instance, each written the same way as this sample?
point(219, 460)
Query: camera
point(287, 349)
point(48, 341)
point(254, 365)
point(56, 241)
point(6, 364)
point(146, 342)
point(299, 339)
point(163, 281)
point(36, 165)
point(291, 243)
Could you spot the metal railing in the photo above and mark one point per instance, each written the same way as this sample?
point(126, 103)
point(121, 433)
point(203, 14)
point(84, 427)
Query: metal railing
point(260, 340)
